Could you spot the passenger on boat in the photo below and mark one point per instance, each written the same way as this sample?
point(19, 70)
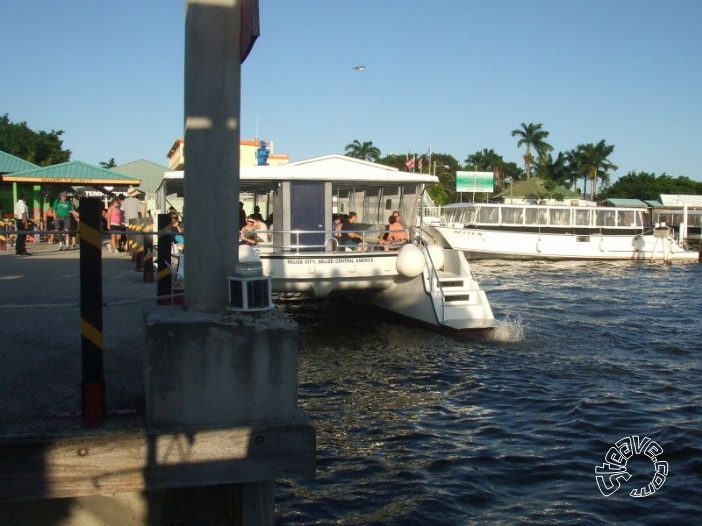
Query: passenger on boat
point(396, 235)
point(398, 217)
point(249, 234)
point(349, 237)
point(338, 220)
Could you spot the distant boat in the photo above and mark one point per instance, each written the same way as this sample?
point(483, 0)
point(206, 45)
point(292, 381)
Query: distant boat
point(536, 231)
point(428, 285)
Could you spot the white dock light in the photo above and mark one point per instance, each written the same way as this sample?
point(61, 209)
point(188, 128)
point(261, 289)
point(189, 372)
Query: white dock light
point(249, 289)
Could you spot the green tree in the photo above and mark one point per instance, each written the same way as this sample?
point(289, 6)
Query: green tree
point(593, 161)
point(488, 161)
point(648, 187)
point(365, 151)
point(109, 164)
point(41, 148)
point(532, 136)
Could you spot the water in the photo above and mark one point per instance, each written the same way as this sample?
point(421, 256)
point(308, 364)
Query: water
point(417, 428)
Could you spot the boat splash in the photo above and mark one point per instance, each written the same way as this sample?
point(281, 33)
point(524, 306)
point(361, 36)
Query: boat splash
point(510, 330)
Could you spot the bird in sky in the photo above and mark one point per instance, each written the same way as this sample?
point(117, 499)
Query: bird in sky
point(360, 67)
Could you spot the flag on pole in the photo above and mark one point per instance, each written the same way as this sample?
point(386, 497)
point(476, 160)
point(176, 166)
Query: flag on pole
point(409, 163)
point(420, 164)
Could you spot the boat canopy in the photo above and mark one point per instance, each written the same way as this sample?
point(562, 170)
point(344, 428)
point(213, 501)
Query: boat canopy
point(370, 189)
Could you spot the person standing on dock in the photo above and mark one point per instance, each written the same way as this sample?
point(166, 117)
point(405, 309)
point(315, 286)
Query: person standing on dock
point(21, 223)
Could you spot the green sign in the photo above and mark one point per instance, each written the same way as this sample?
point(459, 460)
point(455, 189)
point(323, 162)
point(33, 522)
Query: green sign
point(476, 182)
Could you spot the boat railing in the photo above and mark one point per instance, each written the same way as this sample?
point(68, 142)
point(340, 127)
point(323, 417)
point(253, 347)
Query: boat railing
point(298, 241)
point(435, 281)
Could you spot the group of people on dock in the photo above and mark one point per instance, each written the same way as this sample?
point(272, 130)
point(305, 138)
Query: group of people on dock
point(61, 216)
point(61, 220)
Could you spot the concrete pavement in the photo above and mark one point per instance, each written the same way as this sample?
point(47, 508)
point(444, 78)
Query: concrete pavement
point(40, 343)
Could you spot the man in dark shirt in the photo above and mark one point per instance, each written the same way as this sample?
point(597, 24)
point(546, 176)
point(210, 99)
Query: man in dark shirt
point(348, 237)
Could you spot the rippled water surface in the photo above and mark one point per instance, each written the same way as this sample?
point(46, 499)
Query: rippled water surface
point(417, 428)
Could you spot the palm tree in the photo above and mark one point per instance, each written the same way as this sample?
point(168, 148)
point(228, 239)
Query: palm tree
point(532, 135)
point(365, 151)
point(110, 164)
point(593, 163)
point(488, 161)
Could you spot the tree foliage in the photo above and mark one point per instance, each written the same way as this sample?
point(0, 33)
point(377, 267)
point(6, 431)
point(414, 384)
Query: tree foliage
point(532, 135)
point(647, 187)
point(41, 148)
point(588, 162)
point(365, 150)
point(592, 161)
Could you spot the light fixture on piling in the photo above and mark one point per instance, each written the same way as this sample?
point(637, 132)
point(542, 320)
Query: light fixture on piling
point(249, 289)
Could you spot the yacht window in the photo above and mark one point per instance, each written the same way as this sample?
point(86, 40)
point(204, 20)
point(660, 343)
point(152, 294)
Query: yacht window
point(560, 217)
point(626, 218)
point(512, 215)
point(536, 216)
point(488, 215)
point(582, 217)
point(605, 218)
point(467, 216)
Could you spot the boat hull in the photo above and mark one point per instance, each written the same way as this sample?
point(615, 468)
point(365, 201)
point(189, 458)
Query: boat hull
point(496, 244)
point(458, 308)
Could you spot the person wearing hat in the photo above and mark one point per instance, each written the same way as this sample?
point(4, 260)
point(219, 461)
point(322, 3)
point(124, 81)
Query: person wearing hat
point(63, 208)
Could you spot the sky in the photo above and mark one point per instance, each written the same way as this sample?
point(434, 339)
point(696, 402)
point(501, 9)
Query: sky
point(456, 76)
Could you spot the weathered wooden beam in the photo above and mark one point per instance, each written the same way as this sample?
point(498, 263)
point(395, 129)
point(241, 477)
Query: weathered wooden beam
point(97, 463)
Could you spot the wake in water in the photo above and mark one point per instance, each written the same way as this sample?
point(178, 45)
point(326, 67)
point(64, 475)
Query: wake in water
point(509, 330)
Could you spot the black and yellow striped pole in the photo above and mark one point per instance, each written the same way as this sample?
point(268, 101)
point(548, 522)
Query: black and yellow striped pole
point(148, 244)
point(164, 275)
point(3, 235)
point(93, 379)
point(136, 244)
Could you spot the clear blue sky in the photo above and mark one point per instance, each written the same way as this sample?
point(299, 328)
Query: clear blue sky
point(456, 74)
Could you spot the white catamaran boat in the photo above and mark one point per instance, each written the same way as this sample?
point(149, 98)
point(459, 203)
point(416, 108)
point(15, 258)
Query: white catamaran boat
point(429, 285)
point(526, 231)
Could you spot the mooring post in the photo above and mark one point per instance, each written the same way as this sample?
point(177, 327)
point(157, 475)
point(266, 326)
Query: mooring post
point(3, 235)
point(93, 380)
point(164, 277)
point(148, 253)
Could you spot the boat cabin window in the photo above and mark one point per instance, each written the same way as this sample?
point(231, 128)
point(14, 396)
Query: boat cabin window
point(465, 215)
point(582, 217)
point(560, 217)
point(628, 218)
point(537, 216)
point(513, 215)
point(373, 203)
point(488, 215)
point(605, 218)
